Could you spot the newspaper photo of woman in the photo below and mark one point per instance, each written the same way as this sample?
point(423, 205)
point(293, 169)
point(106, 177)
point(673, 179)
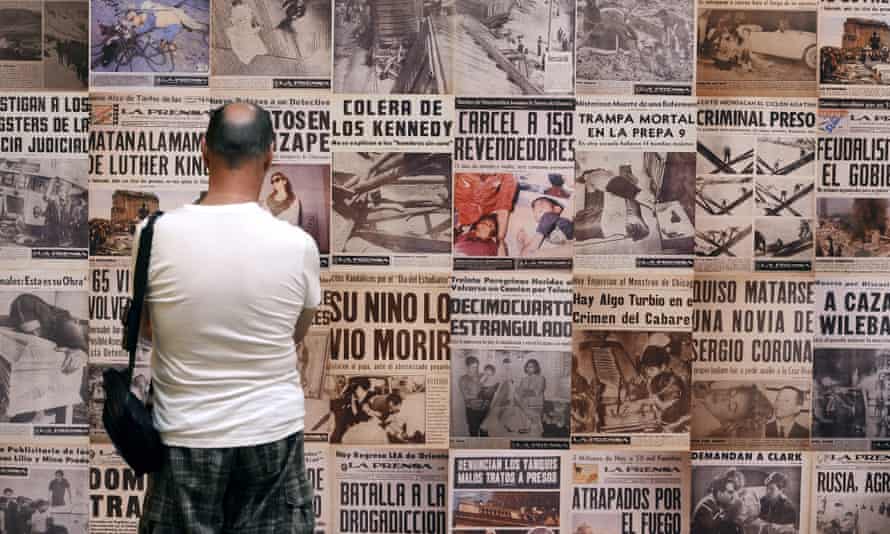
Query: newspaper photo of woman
point(282, 202)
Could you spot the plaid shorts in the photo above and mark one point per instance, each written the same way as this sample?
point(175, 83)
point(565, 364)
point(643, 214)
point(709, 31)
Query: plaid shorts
point(261, 489)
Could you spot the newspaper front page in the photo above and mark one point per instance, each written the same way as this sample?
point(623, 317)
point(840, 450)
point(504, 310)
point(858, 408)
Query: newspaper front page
point(753, 340)
point(389, 491)
point(745, 491)
point(45, 486)
point(116, 493)
point(391, 182)
point(758, 48)
point(631, 361)
point(628, 492)
point(853, 184)
point(513, 184)
point(755, 184)
point(511, 382)
point(44, 45)
point(500, 491)
point(851, 363)
point(851, 492)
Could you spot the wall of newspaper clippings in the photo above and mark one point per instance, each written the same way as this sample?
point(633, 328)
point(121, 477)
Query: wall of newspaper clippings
point(597, 266)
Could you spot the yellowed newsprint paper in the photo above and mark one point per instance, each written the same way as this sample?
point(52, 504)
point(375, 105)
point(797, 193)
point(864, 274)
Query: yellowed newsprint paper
point(851, 492)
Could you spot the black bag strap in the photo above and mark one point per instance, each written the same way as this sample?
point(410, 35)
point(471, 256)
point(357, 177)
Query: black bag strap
point(140, 281)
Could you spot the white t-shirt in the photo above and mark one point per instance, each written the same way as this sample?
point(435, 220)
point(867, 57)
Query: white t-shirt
point(226, 285)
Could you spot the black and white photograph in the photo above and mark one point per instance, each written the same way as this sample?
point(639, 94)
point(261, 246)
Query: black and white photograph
point(391, 202)
point(49, 500)
point(786, 237)
point(853, 227)
point(510, 393)
point(300, 195)
point(65, 51)
point(725, 154)
point(854, 50)
point(43, 357)
point(506, 509)
point(43, 203)
point(634, 203)
point(313, 355)
point(787, 197)
point(116, 213)
point(288, 39)
point(490, 530)
point(751, 409)
point(139, 386)
point(626, 41)
point(746, 499)
point(631, 382)
point(21, 31)
point(591, 523)
point(724, 237)
point(850, 393)
point(724, 196)
point(374, 410)
point(786, 156)
point(859, 514)
point(740, 45)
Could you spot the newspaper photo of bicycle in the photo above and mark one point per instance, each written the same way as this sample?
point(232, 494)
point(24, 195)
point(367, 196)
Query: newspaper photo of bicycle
point(152, 36)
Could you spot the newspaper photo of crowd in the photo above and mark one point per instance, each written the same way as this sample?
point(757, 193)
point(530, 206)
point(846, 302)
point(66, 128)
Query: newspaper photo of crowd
point(506, 509)
point(375, 410)
point(66, 48)
point(21, 27)
point(747, 499)
point(786, 237)
point(724, 196)
point(511, 393)
point(855, 51)
point(765, 45)
point(391, 202)
point(635, 203)
point(43, 203)
point(43, 357)
point(281, 38)
point(507, 214)
point(115, 215)
point(853, 227)
point(631, 382)
point(860, 514)
point(850, 395)
point(632, 41)
point(750, 409)
point(47, 501)
point(153, 36)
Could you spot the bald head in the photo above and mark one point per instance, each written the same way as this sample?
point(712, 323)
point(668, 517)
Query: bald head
point(239, 133)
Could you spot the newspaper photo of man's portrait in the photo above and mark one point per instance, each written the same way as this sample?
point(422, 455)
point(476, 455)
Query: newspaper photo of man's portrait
point(513, 215)
point(47, 501)
point(635, 203)
point(738, 45)
point(300, 195)
point(150, 36)
point(851, 393)
point(375, 409)
point(66, 52)
point(506, 509)
point(21, 27)
point(852, 514)
point(853, 227)
point(751, 409)
point(281, 38)
point(747, 499)
point(619, 41)
point(44, 203)
point(724, 196)
point(391, 202)
point(43, 358)
point(116, 213)
point(631, 382)
point(510, 393)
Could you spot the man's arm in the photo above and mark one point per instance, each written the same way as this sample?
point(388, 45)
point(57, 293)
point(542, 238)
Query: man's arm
point(303, 324)
point(312, 293)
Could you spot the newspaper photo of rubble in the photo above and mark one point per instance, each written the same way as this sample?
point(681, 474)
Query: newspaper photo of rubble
point(853, 227)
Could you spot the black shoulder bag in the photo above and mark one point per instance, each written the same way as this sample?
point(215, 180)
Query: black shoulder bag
point(127, 419)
